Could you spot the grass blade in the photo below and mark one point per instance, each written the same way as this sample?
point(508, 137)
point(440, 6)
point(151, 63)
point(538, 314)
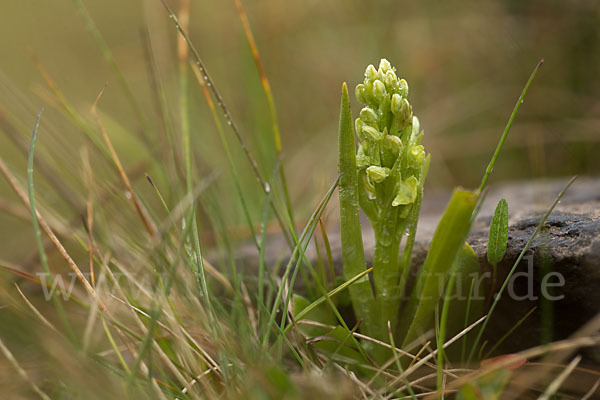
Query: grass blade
point(490, 167)
point(447, 240)
point(36, 226)
point(353, 255)
point(269, 95)
point(330, 294)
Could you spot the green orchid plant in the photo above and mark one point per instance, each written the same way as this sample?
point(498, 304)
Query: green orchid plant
point(391, 165)
point(384, 177)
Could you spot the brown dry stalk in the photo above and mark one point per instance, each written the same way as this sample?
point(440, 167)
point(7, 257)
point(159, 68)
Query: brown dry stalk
point(89, 211)
point(63, 252)
point(562, 345)
point(184, 20)
point(138, 207)
point(261, 71)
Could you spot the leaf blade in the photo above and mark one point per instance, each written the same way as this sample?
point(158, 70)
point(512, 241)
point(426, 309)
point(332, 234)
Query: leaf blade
point(353, 255)
point(498, 236)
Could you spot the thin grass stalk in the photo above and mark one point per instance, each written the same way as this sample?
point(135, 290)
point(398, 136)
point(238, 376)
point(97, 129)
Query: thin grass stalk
point(397, 360)
point(297, 249)
point(520, 101)
point(36, 226)
point(269, 95)
point(150, 228)
point(232, 166)
point(11, 359)
point(160, 103)
point(261, 259)
point(509, 332)
point(463, 351)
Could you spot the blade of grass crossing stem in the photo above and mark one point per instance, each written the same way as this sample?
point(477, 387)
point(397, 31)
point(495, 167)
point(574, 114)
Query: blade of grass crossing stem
point(312, 221)
point(269, 95)
point(514, 267)
point(36, 227)
point(353, 256)
point(520, 101)
point(330, 294)
point(447, 241)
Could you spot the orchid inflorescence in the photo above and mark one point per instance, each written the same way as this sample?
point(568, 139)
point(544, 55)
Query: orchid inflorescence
point(390, 156)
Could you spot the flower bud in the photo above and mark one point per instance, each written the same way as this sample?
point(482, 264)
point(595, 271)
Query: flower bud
point(405, 111)
point(384, 66)
point(390, 80)
point(360, 93)
point(407, 192)
point(372, 133)
point(416, 126)
point(391, 150)
point(379, 90)
point(403, 88)
point(394, 143)
point(396, 105)
point(377, 174)
point(362, 160)
point(416, 156)
point(369, 116)
point(358, 125)
point(371, 73)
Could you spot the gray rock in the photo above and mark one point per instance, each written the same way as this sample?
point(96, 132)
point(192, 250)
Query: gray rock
point(569, 247)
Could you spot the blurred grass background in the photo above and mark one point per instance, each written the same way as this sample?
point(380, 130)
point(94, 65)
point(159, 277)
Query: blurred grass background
point(465, 61)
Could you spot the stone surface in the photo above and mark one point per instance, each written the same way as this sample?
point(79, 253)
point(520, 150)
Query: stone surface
point(569, 245)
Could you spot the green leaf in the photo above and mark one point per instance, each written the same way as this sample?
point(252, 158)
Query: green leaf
point(448, 239)
point(498, 234)
point(353, 255)
point(320, 313)
point(468, 392)
point(487, 387)
point(463, 308)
